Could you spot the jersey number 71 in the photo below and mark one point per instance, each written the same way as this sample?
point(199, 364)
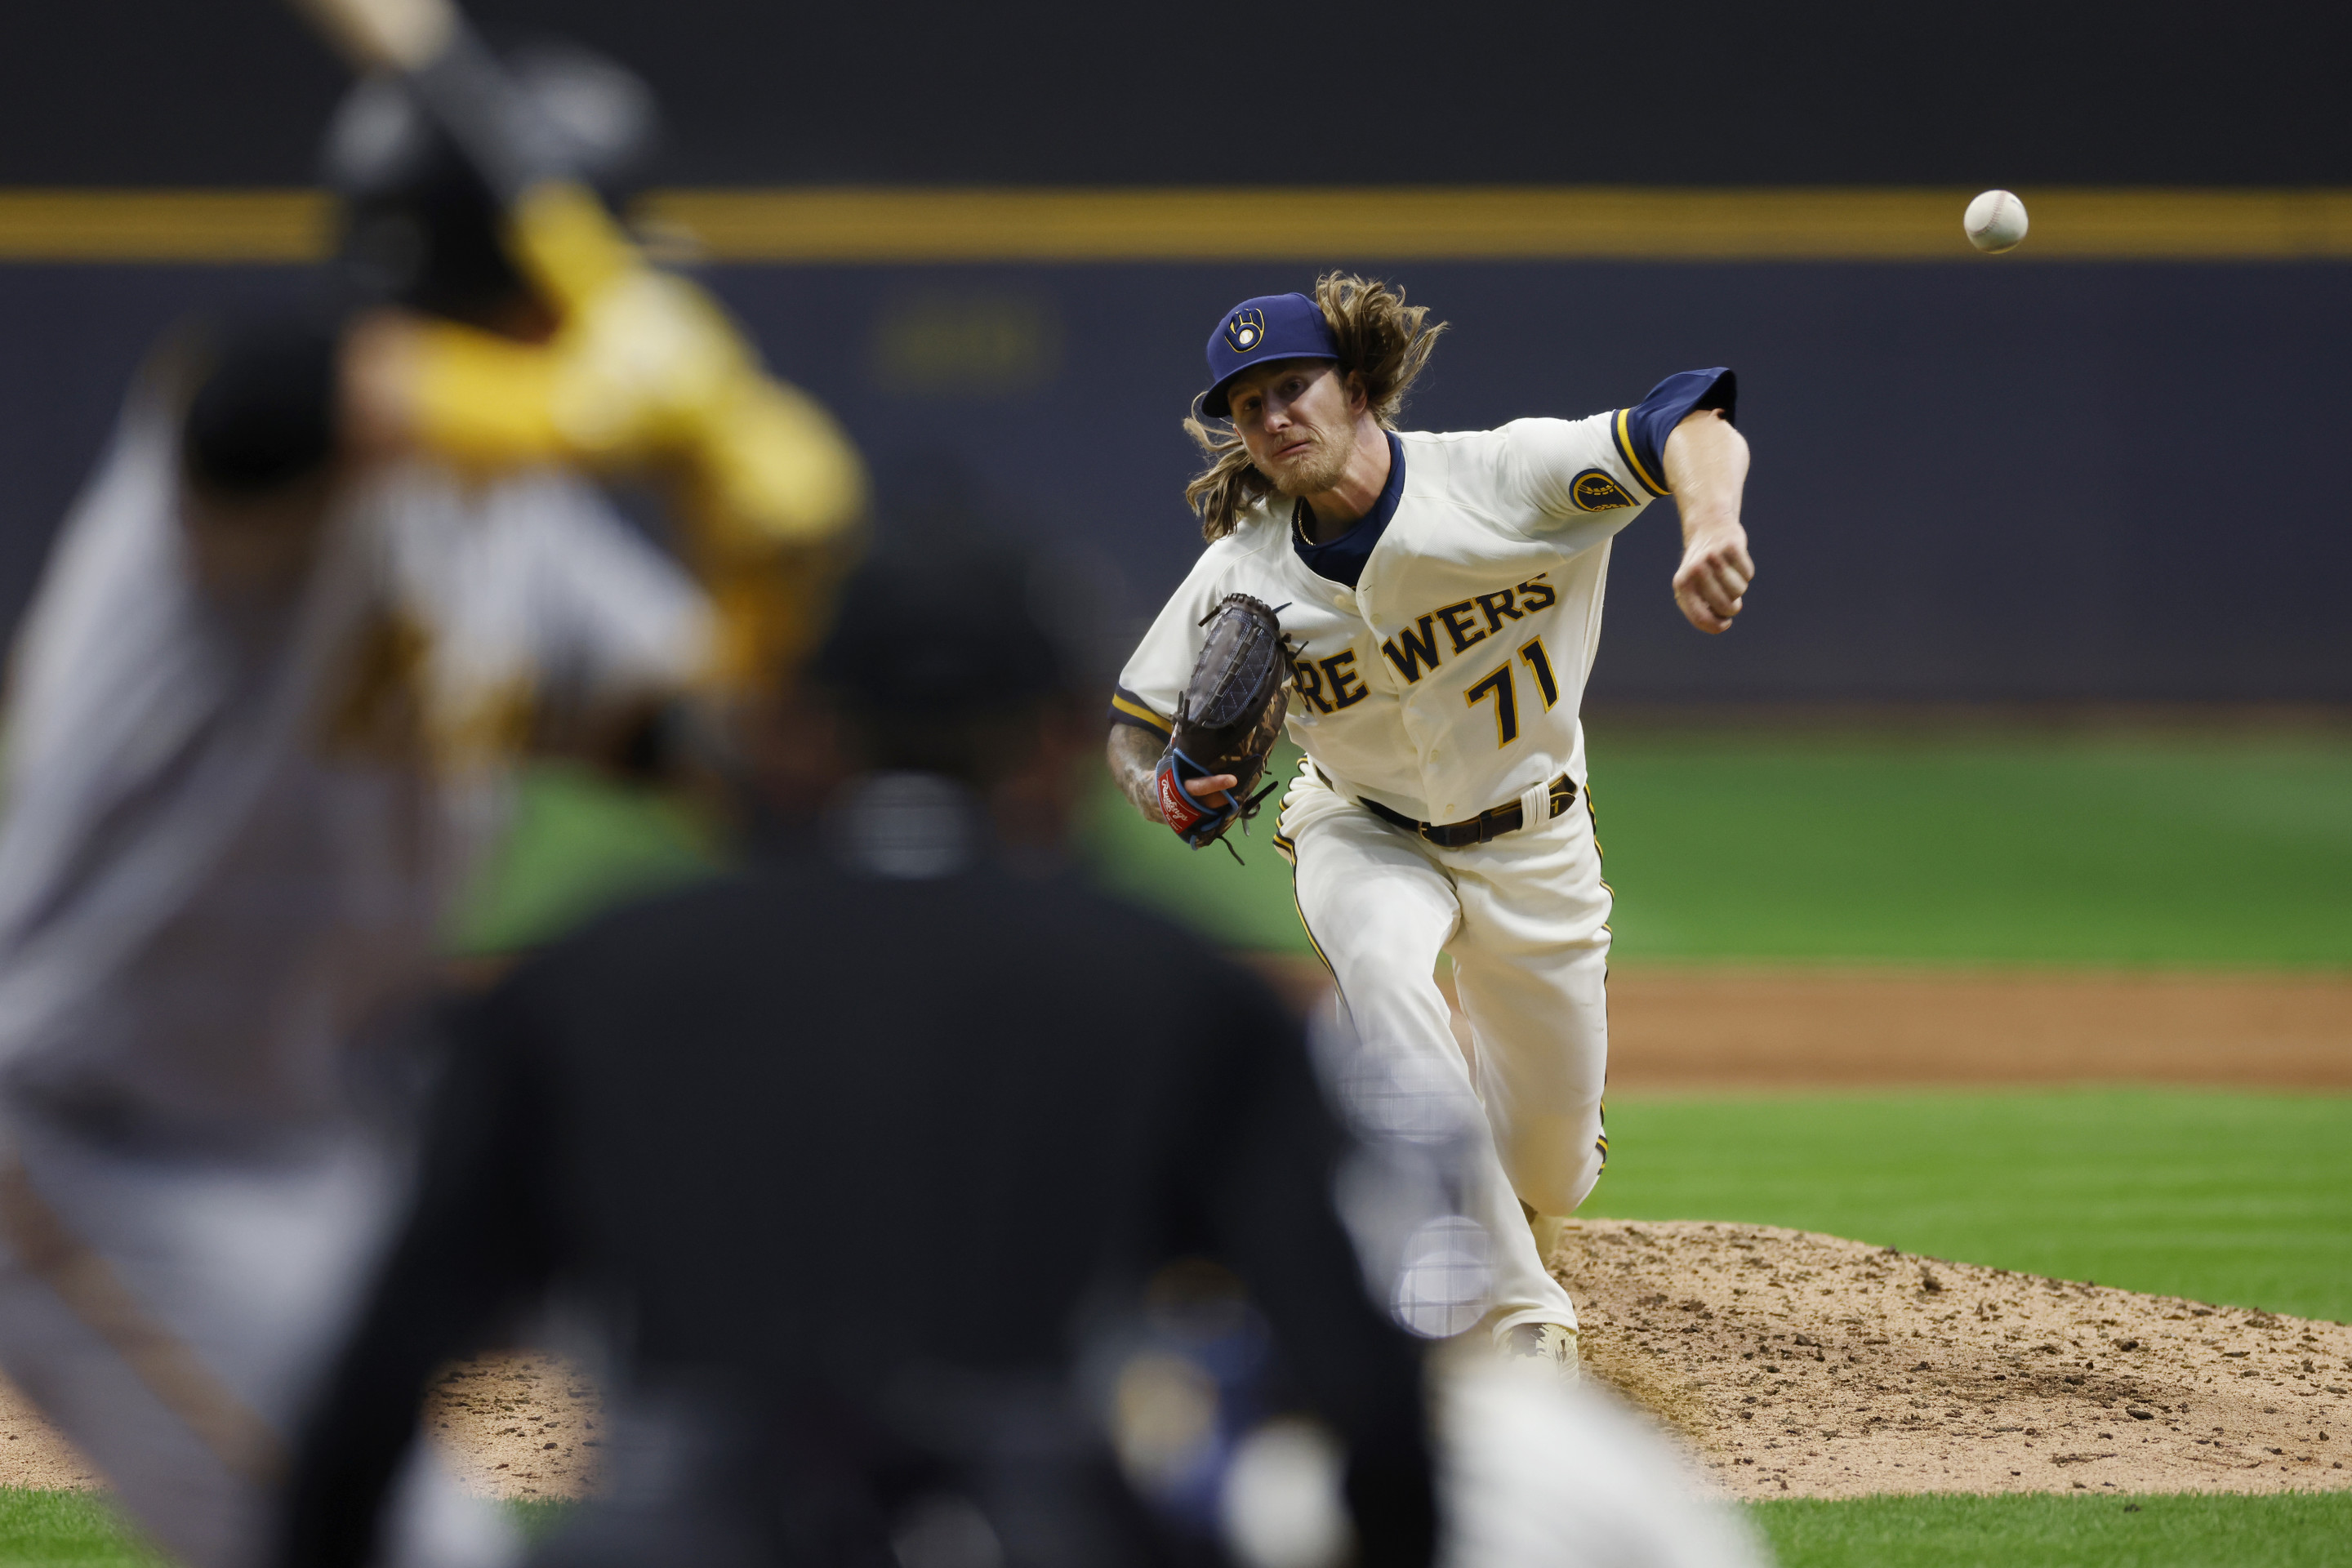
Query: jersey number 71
point(1503, 687)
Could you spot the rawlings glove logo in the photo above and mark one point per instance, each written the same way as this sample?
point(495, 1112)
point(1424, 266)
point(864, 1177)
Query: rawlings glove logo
point(1196, 822)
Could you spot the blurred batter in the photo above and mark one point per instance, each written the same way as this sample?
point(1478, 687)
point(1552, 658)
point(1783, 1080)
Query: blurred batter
point(327, 583)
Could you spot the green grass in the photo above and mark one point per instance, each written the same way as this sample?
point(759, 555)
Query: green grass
point(1977, 848)
point(1241, 906)
point(2040, 849)
point(2244, 1199)
point(67, 1530)
point(538, 1517)
point(1986, 848)
point(2310, 1530)
point(77, 1530)
point(82, 1530)
point(578, 843)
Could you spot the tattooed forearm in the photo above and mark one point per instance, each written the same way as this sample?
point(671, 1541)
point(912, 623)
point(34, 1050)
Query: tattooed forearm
point(1134, 757)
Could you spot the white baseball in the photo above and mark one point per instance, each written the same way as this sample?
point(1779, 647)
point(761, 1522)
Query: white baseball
point(1995, 221)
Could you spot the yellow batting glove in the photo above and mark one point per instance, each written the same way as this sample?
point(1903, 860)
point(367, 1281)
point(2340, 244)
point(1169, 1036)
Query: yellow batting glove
point(773, 492)
point(648, 371)
point(769, 469)
point(643, 367)
point(642, 362)
point(482, 401)
point(634, 375)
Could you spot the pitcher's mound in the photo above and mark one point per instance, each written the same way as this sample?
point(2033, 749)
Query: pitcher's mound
point(1797, 1365)
point(1807, 1365)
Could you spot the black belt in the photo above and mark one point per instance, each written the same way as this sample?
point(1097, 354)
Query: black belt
point(1487, 824)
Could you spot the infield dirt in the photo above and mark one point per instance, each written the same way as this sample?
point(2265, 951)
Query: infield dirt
point(1806, 1365)
point(1801, 1364)
point(1716, 1027)
point(1796, 1366)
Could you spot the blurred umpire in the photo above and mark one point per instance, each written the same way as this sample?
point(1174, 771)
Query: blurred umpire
point(853, 1152)
point(338, 567)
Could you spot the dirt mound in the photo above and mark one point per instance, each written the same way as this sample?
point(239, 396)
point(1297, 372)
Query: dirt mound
point(520, 1425)
point(1796, 1364)
point(33, 1455)
point(1807, 1365)
point(516, 1425)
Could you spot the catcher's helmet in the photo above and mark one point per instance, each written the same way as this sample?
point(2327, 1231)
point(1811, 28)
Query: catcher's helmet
point(420, 228)
point(943, 635)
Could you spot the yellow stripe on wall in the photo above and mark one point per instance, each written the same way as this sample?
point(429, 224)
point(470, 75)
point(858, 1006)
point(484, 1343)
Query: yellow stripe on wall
point(1595, 223)
point(165, 225)
point(906, 224)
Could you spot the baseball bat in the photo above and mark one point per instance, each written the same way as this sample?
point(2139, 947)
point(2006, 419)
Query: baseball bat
point(458, 80)
point(386, 35)
point(563, 235)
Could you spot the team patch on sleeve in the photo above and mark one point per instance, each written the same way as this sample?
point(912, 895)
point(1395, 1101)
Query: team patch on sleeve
point(1594, 490)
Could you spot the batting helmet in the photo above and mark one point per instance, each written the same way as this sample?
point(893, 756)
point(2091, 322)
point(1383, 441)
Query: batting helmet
point(420, 226)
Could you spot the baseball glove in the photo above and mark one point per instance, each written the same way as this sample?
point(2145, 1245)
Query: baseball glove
point(1228, 719)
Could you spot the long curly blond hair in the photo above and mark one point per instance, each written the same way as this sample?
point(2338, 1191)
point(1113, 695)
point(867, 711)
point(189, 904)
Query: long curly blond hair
point(1383, 342)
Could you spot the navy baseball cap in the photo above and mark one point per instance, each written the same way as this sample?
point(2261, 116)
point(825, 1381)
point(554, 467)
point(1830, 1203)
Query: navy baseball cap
point(1270, 326)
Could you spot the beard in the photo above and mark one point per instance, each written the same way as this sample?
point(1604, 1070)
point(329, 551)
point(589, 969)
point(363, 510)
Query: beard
point(1315, 470)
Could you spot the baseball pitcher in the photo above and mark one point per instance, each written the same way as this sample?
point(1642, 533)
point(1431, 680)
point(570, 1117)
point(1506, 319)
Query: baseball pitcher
point(1433, 603)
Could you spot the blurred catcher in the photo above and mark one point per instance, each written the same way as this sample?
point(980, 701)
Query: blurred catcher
point(334, 574)
point(851, 1032)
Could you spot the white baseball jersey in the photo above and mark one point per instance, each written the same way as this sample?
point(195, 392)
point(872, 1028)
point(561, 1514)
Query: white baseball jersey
point(234, 823)
point(1446, 681)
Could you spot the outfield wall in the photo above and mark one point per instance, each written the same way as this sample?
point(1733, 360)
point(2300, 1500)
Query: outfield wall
point(1979, 480)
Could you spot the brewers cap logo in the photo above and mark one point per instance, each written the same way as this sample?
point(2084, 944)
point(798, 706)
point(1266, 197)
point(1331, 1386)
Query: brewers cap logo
point(1246, 329)
point(1594, 490)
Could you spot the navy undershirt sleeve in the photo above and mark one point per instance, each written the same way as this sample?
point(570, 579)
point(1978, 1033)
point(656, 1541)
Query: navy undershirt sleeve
point(1126, 708)
point(1641, 430)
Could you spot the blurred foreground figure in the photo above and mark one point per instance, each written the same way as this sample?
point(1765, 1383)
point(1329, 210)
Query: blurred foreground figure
point(863, 1157)
point(334, 573)
point(1534, 1475)
point(1534, 1472)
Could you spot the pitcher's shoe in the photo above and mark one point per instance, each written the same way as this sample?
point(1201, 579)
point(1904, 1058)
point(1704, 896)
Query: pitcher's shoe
point(1549, 1346)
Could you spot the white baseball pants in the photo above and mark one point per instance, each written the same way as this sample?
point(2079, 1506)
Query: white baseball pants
point(1524, 918)
point(171, 1313)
